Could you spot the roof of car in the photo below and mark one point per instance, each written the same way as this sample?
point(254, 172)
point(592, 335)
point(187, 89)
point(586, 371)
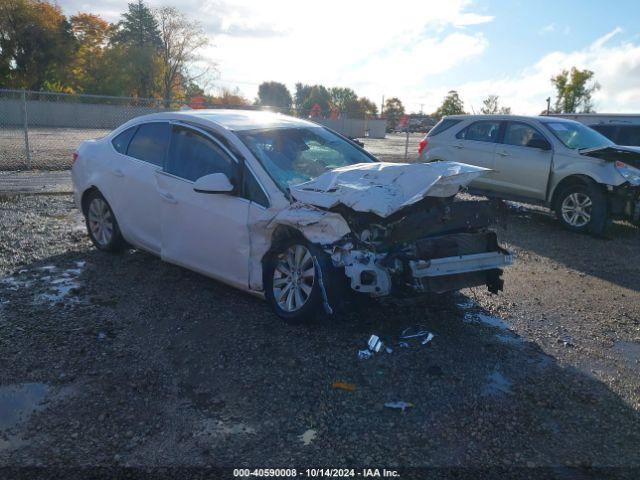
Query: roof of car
point(235, 119)
point(540, 118)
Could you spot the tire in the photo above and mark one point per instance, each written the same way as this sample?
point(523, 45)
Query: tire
point(102, 225)
point(300, 297)
point(582, 208)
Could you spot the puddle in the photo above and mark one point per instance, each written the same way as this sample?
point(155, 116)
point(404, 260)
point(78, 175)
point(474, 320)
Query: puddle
point(497, 385)
point(17, 403)
point(486, 319)
point(55, 285)
point(629, 352)
point(308, 436)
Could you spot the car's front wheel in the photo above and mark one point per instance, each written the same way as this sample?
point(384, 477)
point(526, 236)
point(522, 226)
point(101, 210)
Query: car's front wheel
point(296, 279)
point(102, 225)
point(583, 208)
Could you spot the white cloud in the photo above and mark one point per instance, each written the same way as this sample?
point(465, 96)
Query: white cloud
point(616, 68)
point(550, 28)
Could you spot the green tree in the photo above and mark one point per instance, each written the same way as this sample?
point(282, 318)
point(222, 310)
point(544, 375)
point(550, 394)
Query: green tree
point(36, 44)
point(86, 72)
point(274, 94)
point(393, 110)
point(451, 105)
point(343, 99)
point(573, 93)
point(307, 96)
point(491, 106)
point(138, 38)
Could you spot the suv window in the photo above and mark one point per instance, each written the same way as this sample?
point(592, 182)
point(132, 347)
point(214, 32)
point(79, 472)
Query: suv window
point(251, 189)
point(193, 155)
point(629, 135)
point(121, 142)
point(150, 142)
point(482, 131)
point(444, 124)
point(520, 134)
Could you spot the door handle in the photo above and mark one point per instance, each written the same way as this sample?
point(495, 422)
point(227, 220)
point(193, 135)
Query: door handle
point(503, 154)
point(117, 173)
point(167, 197)
point(457, 145)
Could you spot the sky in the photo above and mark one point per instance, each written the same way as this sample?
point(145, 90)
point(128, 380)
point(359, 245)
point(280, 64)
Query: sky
point(418, 50)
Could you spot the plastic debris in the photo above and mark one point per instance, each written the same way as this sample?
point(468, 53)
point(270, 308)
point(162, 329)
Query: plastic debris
point(102, 336)
point(347, 387)
point(428, 338)
point(398, 405)
point(417, 332)
point(375, 344)
point(308, 436)
point(389, 350)
point(364, 354)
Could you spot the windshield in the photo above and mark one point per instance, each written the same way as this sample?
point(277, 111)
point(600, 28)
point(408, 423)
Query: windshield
point(577, 136)
point(295, 155)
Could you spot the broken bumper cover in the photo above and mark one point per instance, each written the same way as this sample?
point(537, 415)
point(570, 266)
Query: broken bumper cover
point(460, 264)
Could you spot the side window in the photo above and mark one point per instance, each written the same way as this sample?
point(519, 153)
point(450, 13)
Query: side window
point(150, 142)
point(483, 131)
point(629, 135)
point(520, 134)
point(444, 124)
point(193, 155)
point(251, 189)
point(121, 142)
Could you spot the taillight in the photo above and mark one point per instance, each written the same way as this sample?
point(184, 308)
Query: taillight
point(423, 143)
point(74, 156)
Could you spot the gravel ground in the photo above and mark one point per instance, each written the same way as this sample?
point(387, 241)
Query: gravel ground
point(126, 360)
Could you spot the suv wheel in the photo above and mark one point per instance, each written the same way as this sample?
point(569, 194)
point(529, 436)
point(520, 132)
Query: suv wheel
point(583, 208)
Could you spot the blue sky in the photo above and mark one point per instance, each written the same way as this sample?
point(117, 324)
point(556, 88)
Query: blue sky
point(419, 50)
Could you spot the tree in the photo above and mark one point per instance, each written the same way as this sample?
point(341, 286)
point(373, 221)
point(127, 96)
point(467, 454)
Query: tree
point(343, 99)
point(86, 73)
point(229, 98)
point(307, 96)
point(393, 110)
point(36, 44)
point(572, 92)
point(491, 106)
point(180, 40)
point(451, 105)
point(274, 94)
point(366, 107)
point(138, 37)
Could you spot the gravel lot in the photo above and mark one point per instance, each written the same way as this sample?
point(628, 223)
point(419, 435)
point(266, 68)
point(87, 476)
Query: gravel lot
point(126, 360)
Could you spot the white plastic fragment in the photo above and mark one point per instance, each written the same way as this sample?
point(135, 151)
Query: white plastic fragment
point(399, 405)
point(375, 344)
point(364, 354)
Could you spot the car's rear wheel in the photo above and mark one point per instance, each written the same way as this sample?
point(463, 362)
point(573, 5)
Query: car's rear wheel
point(296, 280)
point(102, 225)
point(582, 208)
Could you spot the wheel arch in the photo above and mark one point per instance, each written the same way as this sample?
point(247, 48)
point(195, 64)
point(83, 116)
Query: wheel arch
point(85, 195)
point(574, 179)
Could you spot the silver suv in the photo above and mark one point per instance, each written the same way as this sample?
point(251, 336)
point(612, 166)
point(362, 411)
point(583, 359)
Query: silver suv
point(561, 164)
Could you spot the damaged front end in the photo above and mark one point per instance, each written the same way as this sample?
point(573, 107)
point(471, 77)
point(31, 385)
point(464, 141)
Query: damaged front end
point(408, 233)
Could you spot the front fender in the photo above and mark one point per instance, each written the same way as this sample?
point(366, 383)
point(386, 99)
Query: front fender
point(599, 171)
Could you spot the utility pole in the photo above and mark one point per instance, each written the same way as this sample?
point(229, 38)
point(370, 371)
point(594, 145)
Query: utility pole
point(421, 106)
point(548, 105)
point(382, 106)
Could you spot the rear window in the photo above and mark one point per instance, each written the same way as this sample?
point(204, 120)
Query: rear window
point(121, 142)
point(482, 131)
point(150, 142)
point(443, 125)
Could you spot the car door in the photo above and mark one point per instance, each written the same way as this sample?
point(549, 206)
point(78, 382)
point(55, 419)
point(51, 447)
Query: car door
point(204, 232)
point(134, 197)
point(523, 161)
point(476, 145)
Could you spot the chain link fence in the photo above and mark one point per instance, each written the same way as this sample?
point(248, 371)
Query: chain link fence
point(41, 130)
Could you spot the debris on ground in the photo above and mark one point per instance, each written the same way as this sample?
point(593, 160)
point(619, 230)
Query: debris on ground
point(308, 436)
point(347, 387)
point(399, 405)
point(364, 354)
point(417, 332)
point(375, 344)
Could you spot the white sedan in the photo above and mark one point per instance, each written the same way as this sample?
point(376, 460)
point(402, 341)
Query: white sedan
point(284, 208)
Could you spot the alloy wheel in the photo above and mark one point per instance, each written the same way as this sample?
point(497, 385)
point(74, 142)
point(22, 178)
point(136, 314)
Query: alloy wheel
point(100, 221)
point(576, 209)
point(293, 278)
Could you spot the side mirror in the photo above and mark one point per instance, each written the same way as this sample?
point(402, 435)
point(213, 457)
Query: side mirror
point(213, 183)
point(540, 143)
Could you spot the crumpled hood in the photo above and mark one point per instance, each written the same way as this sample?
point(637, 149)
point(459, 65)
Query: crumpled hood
point(384, 188)
point(611, 153)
